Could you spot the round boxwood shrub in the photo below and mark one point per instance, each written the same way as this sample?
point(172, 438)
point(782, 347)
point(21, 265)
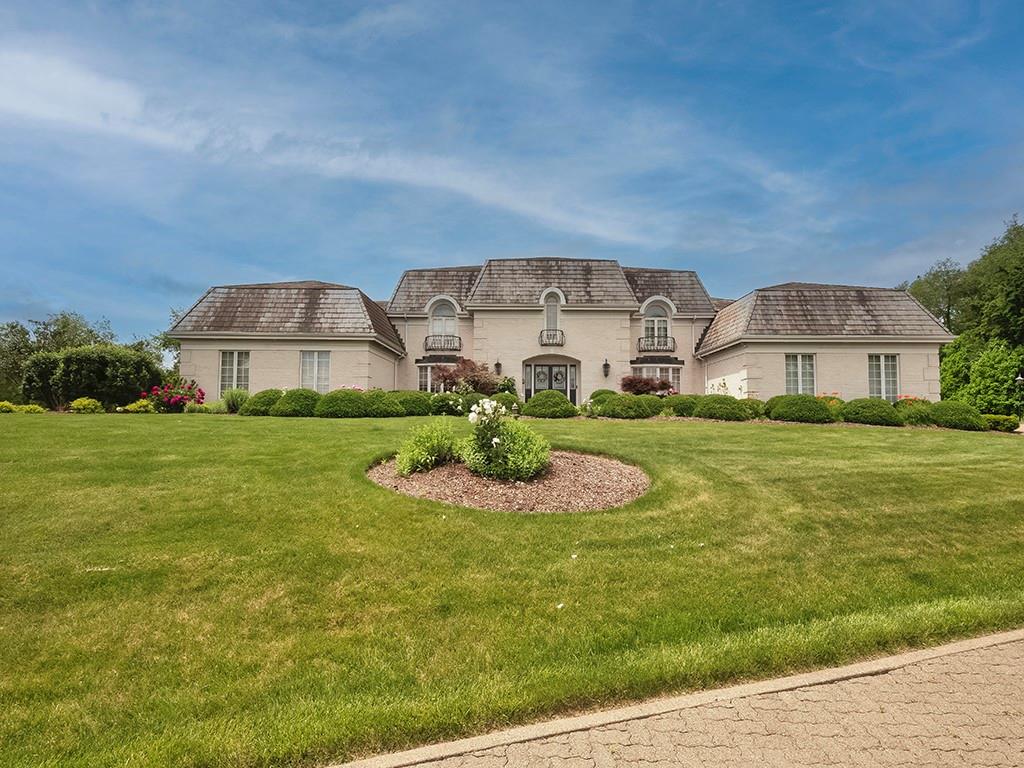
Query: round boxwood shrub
point(296, 402)
point(447, 404)
point(683, 405)
point(341, 404)
point(802, 408)
point(549, 404)
point(954, 415)
point(835, 404)
point(260, 403)
point(918, 414)
point(381, 405)
point(770, 404)
point(625, 406)
point(599, 396)
point(754, 407)
point(415, 403)
point(470, 399)
point(871, 410)
point(1001, 423)
point(507, 399)
point(722, 408)
point(653, 404)
point(86, 405)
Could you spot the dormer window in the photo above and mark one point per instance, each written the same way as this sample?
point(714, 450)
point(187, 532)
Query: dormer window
point(656, 322)
point(442, 319)
point(551, 304)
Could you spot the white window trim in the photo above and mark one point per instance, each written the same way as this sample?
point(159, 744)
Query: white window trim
point(881, 372)
point(452, 319)
point(800, 373)
point(316, 369)
point(651, 372)
point(234, 368)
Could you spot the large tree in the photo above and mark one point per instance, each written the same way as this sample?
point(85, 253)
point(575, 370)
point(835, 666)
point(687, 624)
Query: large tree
point(941, 291)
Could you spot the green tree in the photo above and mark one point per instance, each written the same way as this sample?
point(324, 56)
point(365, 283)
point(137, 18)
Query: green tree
point(15, 349)
point(992, 387)
point(69, 329)
point(941, 290)
point(957, 359)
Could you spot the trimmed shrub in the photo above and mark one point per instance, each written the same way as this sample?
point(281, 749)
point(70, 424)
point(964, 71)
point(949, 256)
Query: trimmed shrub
point(86, 405)
point(508, 399)
point(296, 402)
point(381, 405)
point(683, 405)
point(234, 399)
point(446, 404)
point(722, 408)
point(918, 414)
point(260, 403)
point(341, 404)
point(33, 408)
point(549, 404)
point(7, 407)
point(653, 404)
point(414, 403)
point(625, 406)
point(520, 453)
point(910, 402)
point(598, 396)
point(835, 405)
point(470, 399)
point(38, 381)
point(146, 406)
point(871, 410)
point(755, 407)
point(111, 374)
point(955, 415)
point(427, 446)
point(770, 404)
point(802, 408)
point(1000, 423)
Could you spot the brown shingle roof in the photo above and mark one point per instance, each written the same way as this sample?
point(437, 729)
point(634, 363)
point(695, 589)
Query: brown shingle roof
point(682, 287)
point(418, 286)
point(521, 281)
point(721, 304)
point(814, 309)
point(305, 307)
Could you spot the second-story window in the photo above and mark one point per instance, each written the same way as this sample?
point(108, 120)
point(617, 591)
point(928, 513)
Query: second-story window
point(551, 312)
point(656, 322)
point(443, 320)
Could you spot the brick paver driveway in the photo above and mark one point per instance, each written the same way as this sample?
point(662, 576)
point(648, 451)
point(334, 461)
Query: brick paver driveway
point(960, 705)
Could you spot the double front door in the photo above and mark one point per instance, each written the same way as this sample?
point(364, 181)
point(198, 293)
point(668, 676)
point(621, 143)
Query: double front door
point(558, 377)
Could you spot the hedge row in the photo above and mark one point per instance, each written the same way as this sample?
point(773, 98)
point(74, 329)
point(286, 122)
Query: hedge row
point(354, 403)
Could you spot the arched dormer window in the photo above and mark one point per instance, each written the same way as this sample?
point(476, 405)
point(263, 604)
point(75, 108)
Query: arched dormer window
point(442, 319)
point(552, 302)
point(656, 322)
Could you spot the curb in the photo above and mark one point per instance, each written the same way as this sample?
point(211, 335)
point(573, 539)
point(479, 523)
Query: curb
point(662, 706)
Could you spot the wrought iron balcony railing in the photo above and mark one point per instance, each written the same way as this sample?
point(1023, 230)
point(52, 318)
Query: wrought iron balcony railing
point(656, 344)
point(552, 337)
point(442, 343)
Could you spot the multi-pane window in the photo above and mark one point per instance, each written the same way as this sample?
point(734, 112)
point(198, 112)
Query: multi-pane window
point(424, 378)
point(428, 380)
point(669, 373)
point(799, 374)
point(551, 302)
point(234, 370)
point(443, 320)
point(884, 377)
point(655, 322)
point(315, 371)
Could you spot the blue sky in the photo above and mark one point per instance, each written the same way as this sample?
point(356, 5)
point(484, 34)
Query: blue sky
point(151, 149)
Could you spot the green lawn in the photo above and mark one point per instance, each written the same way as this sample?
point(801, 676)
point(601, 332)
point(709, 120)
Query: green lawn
point(206, 591)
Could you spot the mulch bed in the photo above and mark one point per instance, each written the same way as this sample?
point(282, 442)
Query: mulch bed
point(575, 482)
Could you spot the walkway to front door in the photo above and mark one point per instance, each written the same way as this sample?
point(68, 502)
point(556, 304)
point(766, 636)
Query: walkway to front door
point(538, 377)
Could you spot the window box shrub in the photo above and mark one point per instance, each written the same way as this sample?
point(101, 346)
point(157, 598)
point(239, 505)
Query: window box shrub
point(414, 403)
point(446, 404)
point(234, 399)
point(382, 405)
point(341, 404)
point(427, 446)
point(1000, 423)
point(549, 404)
point(260, 403)
point(86, 405)
point(801, 408)
point(955, 415)
point(296, 402)
point(722, 408)
point(871, 410)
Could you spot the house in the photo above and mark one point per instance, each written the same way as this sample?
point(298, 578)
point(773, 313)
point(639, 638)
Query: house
point(575, 325)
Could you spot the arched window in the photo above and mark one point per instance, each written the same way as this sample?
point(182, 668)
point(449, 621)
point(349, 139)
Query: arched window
point(443, 320)
point(551, 302)
point(656, 322)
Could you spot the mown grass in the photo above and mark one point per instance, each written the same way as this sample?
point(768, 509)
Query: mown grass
point(208, 591)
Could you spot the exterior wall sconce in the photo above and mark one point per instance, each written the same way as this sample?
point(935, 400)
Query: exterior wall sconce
point(497, 368)
point(607, 367)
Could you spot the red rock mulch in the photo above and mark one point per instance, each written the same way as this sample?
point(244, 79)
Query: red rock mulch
point(575, 482)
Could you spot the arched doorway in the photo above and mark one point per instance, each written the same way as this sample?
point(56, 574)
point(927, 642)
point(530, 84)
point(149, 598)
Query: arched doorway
point(555, 372)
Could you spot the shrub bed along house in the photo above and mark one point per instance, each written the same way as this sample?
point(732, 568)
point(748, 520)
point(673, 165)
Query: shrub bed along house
point(260, 403)
point(955, 415)
point(625, 406)
point(174, 396)
point(917, 414)
point(871, 410)
point(599, 396)
point(801, 408)
point(549, 404)
point(683, 405)
point(380, 404)
point(1000, 423)
point(446, 404)
point(755, 407)
point(721, 408)
point(414, 403)
point(341, 404)
point(296, 402)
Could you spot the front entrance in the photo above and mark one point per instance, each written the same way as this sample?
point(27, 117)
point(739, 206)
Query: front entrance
point(538, 377)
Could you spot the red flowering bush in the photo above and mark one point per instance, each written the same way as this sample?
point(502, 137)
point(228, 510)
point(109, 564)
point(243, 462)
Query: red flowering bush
point(173, 396)
point(640, 385)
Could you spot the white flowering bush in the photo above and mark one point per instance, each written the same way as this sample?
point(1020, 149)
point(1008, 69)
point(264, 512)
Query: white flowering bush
point(501, 448)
